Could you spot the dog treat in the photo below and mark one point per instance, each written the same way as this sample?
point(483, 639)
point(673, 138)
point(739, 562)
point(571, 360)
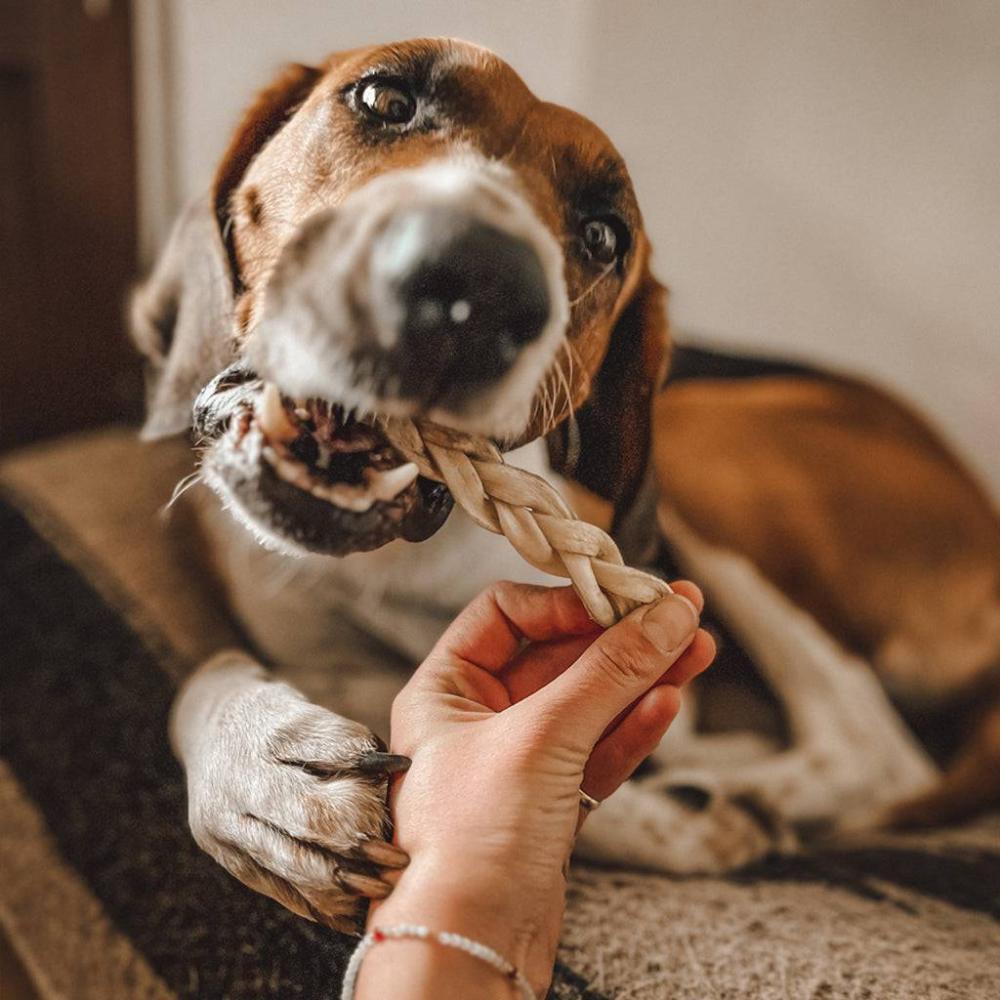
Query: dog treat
point(530, 514)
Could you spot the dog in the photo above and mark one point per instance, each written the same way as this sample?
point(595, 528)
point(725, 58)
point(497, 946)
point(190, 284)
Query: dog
point(407, 230)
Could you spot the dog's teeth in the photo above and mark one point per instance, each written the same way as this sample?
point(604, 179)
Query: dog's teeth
point(291, 472)
point(272, 417)
point(389, 484)
point(357, 499)
point(378, 486)
point(353, 498)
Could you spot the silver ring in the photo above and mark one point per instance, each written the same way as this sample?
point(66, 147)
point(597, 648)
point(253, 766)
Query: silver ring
point(588, 802)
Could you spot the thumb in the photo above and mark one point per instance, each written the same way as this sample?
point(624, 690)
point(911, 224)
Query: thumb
point(620, 666)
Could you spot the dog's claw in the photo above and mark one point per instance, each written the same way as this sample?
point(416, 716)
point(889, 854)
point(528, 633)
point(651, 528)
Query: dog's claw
point(378, 763)
point(384, 854)
point(365, 885)
point(342, 924)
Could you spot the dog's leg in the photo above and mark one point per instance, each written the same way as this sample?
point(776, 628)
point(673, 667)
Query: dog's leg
point(712, 810)
point(666, 825)
point(969, 785)
point(684, 747)
point(287, 796)
point(664, 822)
point(851, 753)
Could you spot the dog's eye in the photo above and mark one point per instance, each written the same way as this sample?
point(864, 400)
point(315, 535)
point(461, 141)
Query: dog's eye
point(604, 238)
point(389, 101)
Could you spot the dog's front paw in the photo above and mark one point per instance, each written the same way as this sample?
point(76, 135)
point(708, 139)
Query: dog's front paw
point(288, 797)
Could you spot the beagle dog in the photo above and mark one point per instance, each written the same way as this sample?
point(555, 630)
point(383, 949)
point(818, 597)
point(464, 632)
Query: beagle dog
point(406, 229)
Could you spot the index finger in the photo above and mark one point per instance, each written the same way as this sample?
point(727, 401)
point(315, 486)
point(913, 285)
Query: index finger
point(495, 625)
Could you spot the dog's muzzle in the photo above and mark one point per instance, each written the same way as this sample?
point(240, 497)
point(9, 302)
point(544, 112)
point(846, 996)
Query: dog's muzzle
point(433, 291)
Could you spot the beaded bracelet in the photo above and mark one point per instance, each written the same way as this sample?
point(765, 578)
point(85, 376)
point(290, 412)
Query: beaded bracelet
point(457, 941)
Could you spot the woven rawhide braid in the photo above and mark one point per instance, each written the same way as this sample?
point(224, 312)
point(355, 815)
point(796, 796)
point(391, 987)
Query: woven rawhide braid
point(530, 514)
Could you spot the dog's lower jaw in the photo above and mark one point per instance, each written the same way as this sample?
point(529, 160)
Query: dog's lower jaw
point(240, 467)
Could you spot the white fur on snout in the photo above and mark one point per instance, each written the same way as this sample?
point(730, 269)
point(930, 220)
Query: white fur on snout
point(306, 337)
point(240, 456)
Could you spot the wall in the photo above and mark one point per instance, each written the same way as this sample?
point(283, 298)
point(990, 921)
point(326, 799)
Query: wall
point(820, 179)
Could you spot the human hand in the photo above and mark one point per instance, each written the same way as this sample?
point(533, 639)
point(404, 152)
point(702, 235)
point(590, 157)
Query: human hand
point(523, 701)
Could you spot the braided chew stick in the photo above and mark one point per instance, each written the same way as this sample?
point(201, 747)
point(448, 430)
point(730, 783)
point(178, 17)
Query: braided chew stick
point(530, 513)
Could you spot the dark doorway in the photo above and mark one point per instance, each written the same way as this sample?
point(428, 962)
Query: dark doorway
point(67, 216)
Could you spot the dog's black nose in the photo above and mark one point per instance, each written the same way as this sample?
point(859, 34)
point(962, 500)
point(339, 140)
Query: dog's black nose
point(457, 297)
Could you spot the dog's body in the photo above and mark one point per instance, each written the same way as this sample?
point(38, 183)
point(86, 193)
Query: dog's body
point(852, 507)
point(352, 203)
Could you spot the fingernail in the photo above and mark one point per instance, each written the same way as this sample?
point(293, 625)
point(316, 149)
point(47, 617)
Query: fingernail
point(670, 623)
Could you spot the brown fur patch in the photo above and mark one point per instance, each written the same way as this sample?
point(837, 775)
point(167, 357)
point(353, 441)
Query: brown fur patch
point(253, 206)
point(850, 504)
point(243, 313)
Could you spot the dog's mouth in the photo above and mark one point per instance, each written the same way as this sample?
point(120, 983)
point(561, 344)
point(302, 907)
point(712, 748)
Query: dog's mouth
point(330, 453)
point(313, 475)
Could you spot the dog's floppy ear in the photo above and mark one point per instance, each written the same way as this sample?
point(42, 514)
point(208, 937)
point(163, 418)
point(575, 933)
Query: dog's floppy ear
point(181, 318)
point(182, 315)
point(260, 122)
point(611, 450)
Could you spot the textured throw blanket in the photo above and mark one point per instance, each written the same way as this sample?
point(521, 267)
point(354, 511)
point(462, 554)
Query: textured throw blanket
point(104, 894)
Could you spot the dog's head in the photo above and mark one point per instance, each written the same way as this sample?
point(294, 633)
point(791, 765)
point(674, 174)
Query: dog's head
point(404, 230)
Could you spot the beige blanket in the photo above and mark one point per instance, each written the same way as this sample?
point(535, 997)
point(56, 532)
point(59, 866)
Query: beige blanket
point(103, 894)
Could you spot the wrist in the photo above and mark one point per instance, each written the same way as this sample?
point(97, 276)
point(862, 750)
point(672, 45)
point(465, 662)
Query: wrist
point(417, 968)
point(521, 924)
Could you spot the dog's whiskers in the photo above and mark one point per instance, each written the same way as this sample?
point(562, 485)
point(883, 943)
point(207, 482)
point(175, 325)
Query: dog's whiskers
point(593, 284)
point(545, 399)
point(564, 377)
point(555, 394)
point(187, 482)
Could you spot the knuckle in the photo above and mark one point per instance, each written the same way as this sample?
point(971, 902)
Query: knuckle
point(506, 595)
point(622, 663)
point(400, 705)
point(522, 752)
point(501, 589)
